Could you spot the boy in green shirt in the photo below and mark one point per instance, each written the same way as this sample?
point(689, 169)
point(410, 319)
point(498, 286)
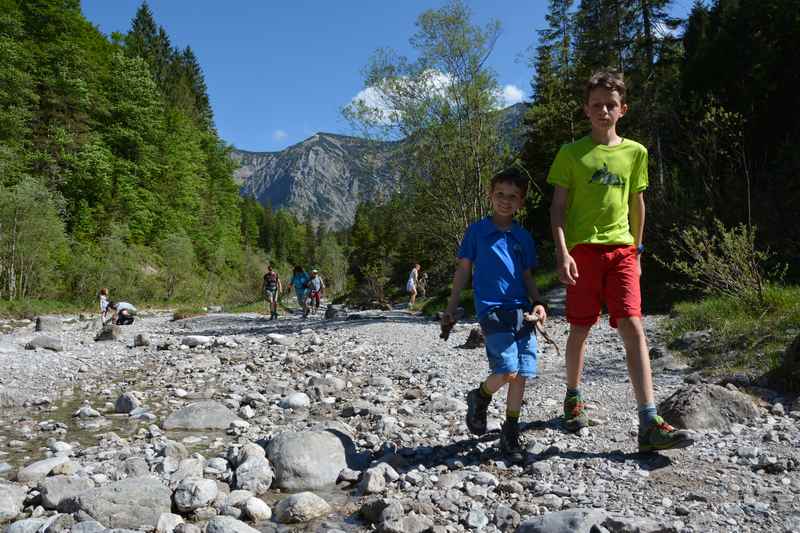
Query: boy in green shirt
point(597, 218)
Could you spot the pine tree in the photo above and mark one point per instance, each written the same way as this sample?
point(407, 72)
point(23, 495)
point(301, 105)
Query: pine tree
point(141, 40)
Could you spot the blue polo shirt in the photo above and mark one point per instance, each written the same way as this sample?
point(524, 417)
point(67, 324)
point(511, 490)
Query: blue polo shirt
point(499, 259)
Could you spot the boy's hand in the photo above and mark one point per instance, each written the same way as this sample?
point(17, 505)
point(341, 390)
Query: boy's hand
point(538, 314)
point(568, 270)
point(447, 323)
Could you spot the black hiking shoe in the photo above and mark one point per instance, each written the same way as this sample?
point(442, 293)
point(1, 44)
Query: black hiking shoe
point(509, 443)
point(476, 412)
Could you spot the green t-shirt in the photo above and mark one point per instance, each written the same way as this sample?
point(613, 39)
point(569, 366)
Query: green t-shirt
point(600, 180)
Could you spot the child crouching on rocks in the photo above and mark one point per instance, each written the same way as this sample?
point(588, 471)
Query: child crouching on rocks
point(500, 253)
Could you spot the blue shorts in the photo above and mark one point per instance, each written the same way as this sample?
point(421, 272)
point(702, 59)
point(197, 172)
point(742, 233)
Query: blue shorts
point(510, 342)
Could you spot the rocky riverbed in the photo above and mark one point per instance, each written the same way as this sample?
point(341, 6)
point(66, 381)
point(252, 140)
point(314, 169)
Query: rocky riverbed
point(231, 422)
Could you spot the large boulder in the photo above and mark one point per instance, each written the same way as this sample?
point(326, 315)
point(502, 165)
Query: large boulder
point(308, 460)
point(201, 415)
point(126, 403)
point(12, 497)
point(255, 475)
point(48, 324)
point(129, 503)
point(28, 525)
point(570, 521)
point(109, 332)
point(57, 488)
point(195, 493)
point(40, 469)
point(301, 507)
point(707, 407)
point(45, 342)
point(228, 524)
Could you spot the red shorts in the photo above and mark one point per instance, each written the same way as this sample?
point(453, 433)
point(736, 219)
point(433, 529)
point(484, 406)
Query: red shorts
point(607, 274)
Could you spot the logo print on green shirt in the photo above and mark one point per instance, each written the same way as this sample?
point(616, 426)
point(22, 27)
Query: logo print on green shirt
point(604, 177)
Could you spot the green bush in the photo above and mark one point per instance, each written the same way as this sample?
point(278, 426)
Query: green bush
point(720, 261)
point(743, 338)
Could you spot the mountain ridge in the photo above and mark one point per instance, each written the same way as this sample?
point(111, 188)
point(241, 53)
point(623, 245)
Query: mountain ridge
point(324, 177)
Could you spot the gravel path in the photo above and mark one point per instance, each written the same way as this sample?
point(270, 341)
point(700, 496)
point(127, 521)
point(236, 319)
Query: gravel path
point(397, 391)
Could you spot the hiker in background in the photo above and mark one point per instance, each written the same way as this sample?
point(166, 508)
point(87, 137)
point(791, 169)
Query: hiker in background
point(411, 284)
point(104, 305)
point(422, 285)
point(270, 289)
point(316, 287)
point(123, 313)
point(299, 281)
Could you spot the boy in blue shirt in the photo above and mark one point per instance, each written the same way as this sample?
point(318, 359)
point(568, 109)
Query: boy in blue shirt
point(499, 253)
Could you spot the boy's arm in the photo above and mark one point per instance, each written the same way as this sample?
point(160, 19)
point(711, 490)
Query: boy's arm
point(636, 216)
point(565, 265)
point(460, 279)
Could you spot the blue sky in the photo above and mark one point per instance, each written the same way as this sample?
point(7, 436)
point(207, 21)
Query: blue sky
point(278, 72)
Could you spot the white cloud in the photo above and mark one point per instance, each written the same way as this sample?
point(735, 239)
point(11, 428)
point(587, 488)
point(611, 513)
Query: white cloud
point(510, 95)
point(279, 135)
point(432, 82)
point(383, 109)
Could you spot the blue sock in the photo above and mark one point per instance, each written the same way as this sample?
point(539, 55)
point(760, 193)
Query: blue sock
point(571, 393)
point(647, 414)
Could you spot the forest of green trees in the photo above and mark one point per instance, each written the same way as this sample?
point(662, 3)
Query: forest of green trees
point(713, 98)
point(112, 173)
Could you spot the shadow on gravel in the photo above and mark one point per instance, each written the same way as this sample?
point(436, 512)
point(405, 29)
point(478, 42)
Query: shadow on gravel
point(249, 325)
point(646, 461)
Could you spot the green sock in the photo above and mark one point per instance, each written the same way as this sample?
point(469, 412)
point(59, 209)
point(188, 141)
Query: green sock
point(512, 417)
point(484, 391)
point(572, 393)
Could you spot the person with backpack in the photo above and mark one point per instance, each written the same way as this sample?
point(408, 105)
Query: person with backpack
point(270, 289)
point(123, 313)
point(315, 287)
point(298, 282)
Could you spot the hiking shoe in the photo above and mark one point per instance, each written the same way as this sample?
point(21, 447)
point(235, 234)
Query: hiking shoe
point(575, 417)
point(661, 436)
point(509, 443)
point(476, 412)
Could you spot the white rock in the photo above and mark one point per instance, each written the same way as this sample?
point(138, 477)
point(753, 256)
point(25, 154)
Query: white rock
point(196, 340)
point(167, 522)
point(257, 510)
point(296, 400)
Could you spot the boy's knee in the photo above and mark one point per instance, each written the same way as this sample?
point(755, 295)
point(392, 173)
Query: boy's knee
point(509, 377)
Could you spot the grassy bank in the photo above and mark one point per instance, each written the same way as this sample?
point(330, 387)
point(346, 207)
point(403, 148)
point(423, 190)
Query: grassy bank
point(34, 308)
point(743, 339)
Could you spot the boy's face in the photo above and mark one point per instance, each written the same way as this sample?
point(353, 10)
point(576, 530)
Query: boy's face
point(604, 108)
point(506, 199)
